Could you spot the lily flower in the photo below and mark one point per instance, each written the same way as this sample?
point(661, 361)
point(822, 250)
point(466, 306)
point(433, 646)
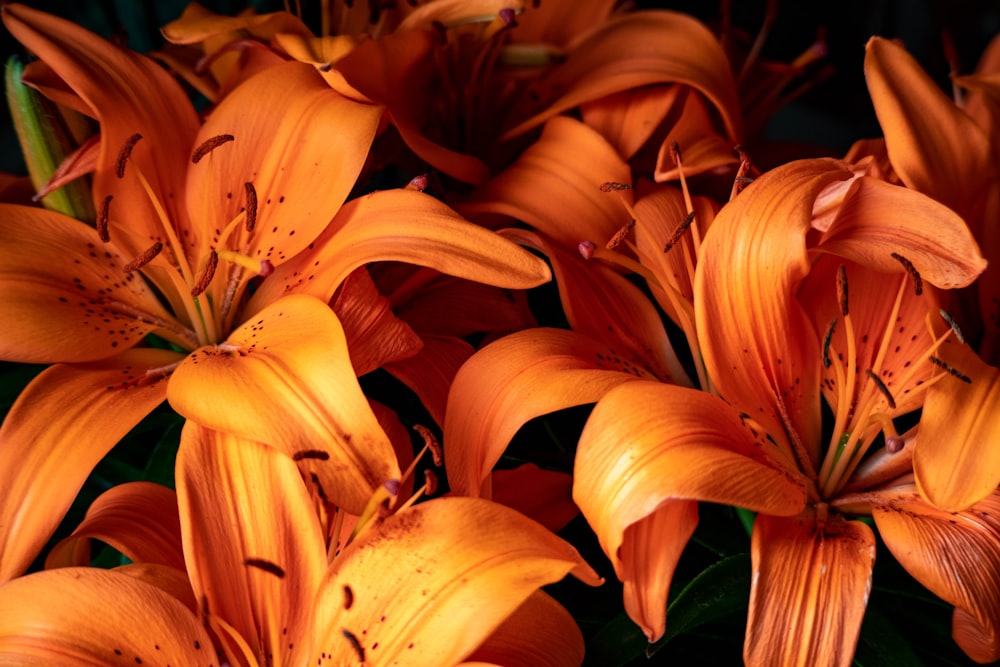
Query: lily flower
point(191, 216)
point(435, 583)
point(773, 273)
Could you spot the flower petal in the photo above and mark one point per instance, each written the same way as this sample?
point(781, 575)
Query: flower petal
point(956, 460)
point(430, 372)
point(252, 538)
point(934, 146)
point(542, 495)
point(430, 584)
point(955, 556)
point(629, 118)
point(61, 425)
point(760, 349)
point(511, 381)
point(67, 291)
point(139, 519)
point(405, 226)
point(555, 186)
point(810, 586)
point(285, 378)
point(62, 617)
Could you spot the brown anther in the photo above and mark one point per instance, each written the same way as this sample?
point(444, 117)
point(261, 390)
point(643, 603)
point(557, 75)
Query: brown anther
point(311, 454)
point(430, 482)
point(145, 258)
point(124, 154)
point(355, 644)
point(612, 186)
point(881, 387)
point(210, 145)
point(251, 206)
point(842, 290)
point(679, 232)
point(326, 67)
point(951, 369)
point(348, 597)
point(827, 339)
point(675, 153)
point(266, 565)
point(206, 276)
point(102, 219)
point(620, 235)
point(431, 442)
point(954, 327)
point(918, 282)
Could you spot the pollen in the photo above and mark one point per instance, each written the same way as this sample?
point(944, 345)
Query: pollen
point(102, 219)
point(206, 275)
point(842, 291)
point(125, 153)
point(251, 221)
point(679, 232)
point(145, 258)
point(210, 145)
point(918, 283)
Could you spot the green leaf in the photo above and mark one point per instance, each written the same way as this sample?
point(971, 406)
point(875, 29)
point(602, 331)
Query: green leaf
point(720, 590)
point(881, 645)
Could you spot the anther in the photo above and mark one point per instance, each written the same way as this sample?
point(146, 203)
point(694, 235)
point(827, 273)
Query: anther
point(251, 206)
point(145, 258)
point(206, 276)
point(951, 369)
point(124, 154)
point(679, 232)
point(675, 153)
point(210, 145)
point(918, 282)
point(842, 290)
point(954, 326)
point(612, 186)
point(430, 482)
point(355, 644)
point(827, 339)
point(348, 597)
point(586, 249)
point(431, 442)
point(102, 219)
point(311, 454)
point(620, 235)
point(266, 565)
point(881, 387)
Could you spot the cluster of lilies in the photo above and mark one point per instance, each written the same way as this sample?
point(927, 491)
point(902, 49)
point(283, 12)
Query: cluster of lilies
point(815, 342)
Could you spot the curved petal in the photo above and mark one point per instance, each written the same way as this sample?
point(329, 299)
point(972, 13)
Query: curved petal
point(540, 633)
point(405, 226)
point(291, 131)
point(285, 378)
point(955, 556)
point(128, 93)
point(760, 349)
point(934, 146)
point(561, 25)
point(252, 539)
point(63, 617)
point(170, 580)
point(450, 13)
point(197, 24)
point(810, 586)
point(629, 118)
point(648, 443)
point(555, 186)
point(61, 425)
point(702, 146)
point(877, 219)
point(139, 519)
point(430, 584)
point(542, 495)
point(513, 380)
point(430, 372)
point(633, 50)
point(67, 291)
point(956, 460)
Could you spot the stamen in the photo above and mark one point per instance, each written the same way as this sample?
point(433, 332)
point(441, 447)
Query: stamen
point(679, 232)
point(431, 443)
point(918, 282)
point(741, 179)
point(954, 326)
point(348, 597)
point(586, 249)
point(430, 482)
point(620, 235)
point(612, 186)
point(842, 290)
point(311, 454)
point(675, 153)
point(355, 644)
point(881, 387)
point(124, 154)
point(206, 276)
point(951, 369)
point(145, 258)
point(210, 145)
point(827, 339)
point(266, 565)
point(251, 221)
point(102, 219)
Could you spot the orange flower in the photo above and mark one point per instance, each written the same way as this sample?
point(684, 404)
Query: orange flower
point(436, 583)
point(773, 273)
point(191, 216)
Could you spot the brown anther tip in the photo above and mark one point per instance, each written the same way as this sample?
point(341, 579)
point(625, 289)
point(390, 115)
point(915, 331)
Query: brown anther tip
point(392, 486)
point(145, 258)
point(612, 186)
point(266, 268)
point(266, 566)
point(325, 67)
point(842, 291)
point(102, 219)
point(918, 283)
point(430, 482)
point(675, 153)
point(251, 206)
point(348, 597)
point(881, 387)
point(679, 232)
point(894, 445)
point(206, 276)
point(210, 145)
point(586, 249)
point(953, 325)
point(431, 441)
point(620, 235)
point(124, 153)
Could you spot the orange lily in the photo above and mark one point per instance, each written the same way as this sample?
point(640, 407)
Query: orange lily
point(768, 281)
point(408, 590)
point(178, 243)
